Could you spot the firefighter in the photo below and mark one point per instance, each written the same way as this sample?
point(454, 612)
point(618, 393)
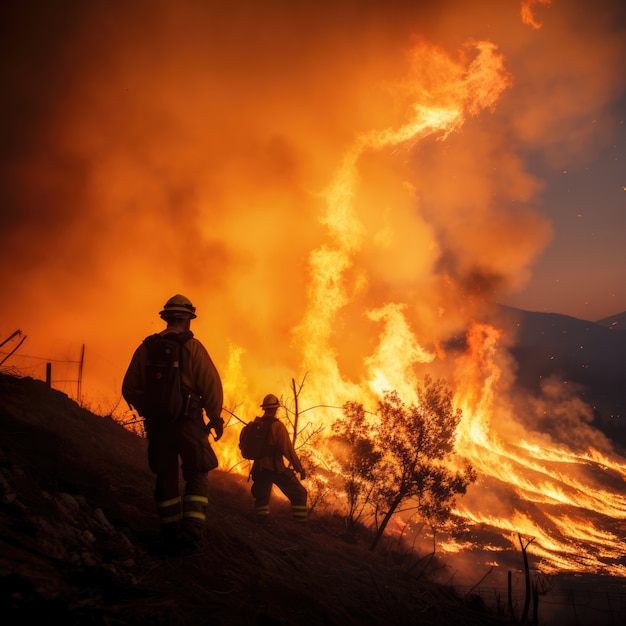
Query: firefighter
point(183, 439)
point(271, 470)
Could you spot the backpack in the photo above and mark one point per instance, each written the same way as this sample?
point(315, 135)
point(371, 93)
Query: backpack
point(254, 439)
point(164, 392)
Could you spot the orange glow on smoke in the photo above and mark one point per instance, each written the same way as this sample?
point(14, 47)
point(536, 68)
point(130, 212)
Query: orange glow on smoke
point(463, 91)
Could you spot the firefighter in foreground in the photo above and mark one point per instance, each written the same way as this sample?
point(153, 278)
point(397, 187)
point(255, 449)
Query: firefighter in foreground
point(171, 393)
point(271, 470)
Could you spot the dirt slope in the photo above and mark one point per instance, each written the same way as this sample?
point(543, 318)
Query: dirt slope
point(78, 541)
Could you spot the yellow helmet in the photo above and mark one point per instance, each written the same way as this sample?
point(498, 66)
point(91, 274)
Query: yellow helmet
point(270, 401)
point(178, 306)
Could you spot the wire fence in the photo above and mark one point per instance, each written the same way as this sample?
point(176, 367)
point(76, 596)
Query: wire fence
point(576, 604)
point(15, 362)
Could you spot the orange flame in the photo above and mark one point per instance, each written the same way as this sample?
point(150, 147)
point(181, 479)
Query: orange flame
point(528, 16)
point(463, 92)
point(536, 473)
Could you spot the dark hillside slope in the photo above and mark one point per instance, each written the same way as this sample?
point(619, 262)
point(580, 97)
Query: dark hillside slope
point(591, 355)
point(614, 322)
point(78, 529)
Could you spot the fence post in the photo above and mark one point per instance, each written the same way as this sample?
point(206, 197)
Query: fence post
point(80, 375)
point(49, 374)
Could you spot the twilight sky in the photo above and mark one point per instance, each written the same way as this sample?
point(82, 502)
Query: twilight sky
point(156, 147)
point(582, 271)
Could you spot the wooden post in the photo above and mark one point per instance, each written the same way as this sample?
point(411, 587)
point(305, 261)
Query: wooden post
point(80, 375)
point(49, 374)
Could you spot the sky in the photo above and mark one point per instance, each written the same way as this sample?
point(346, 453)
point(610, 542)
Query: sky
point(305, 172)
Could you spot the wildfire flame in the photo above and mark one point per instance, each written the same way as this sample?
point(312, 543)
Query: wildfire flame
point(465, 92)
point(528, 16)
point(539, 473)
point(530, 472)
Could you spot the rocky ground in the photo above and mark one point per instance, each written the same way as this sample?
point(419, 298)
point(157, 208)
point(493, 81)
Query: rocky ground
point(79, 541)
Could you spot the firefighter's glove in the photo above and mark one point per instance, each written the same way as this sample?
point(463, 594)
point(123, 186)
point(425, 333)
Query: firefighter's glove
point(217, 426)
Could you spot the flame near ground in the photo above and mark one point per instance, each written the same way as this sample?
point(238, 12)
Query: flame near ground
point(339, 191)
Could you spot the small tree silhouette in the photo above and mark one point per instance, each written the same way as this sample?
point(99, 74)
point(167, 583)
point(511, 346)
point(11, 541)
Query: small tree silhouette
point(355, 451)
point(418, 447)
point(405, 453)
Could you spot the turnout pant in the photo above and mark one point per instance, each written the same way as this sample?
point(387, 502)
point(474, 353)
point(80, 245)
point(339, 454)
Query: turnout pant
point(287, 482)
point(185, 440)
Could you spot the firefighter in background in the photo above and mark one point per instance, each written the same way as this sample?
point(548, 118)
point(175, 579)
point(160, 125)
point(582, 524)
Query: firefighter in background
point(270, 470)
point(182, 520)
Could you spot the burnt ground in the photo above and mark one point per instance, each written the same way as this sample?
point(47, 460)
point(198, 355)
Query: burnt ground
point(79, 541)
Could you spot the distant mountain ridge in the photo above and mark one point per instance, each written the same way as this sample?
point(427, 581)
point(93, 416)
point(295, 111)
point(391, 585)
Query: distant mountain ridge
point(590, 354)
point(614, 322)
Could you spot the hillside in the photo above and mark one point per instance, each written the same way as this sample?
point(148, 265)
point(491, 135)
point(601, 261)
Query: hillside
point(79, 537)
point(585, 350)
point(614, 322)
point(590, 354)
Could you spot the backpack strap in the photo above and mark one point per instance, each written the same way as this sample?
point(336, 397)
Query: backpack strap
point(182, 362)
point(182, 339)
point(271, 449)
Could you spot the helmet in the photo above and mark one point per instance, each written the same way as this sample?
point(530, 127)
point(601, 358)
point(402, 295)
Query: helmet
point(178, 306)
point(270, 401)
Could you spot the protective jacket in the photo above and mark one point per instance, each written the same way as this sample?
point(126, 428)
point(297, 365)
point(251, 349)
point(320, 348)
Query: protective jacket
point(279, 446)
point(270, 470)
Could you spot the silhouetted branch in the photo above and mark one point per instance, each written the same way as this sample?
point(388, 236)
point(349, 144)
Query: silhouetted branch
point(16, 347)
point(17, 332)
point(526, 577)
point(479, 582)
point(235, 416)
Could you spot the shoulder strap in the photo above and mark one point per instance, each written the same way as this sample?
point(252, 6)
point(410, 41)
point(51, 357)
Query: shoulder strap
point(271, 449)
point(181, 338)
